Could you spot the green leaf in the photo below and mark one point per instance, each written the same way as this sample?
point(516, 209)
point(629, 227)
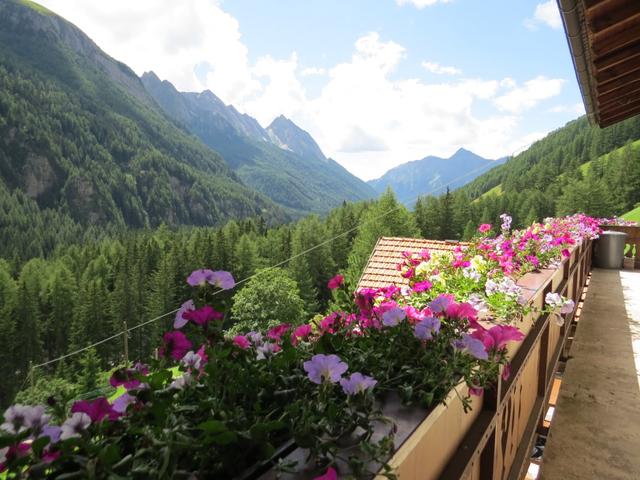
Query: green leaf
point(110, 454)
point(224, 438)
point(38, 445)
point(213, 426)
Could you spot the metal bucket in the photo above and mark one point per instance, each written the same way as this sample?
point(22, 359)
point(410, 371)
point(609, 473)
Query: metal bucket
point(609, 249)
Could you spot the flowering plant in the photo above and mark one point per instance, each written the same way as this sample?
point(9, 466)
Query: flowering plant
point(216, 405)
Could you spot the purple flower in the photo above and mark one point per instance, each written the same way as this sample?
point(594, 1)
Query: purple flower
point(393, 316)
point(176, 344)
point(97, 409)
point(180, 321)
point(357, 383)
point(182, 381)
point(221, 279)
point(21, 417)
point(121, 403)
point(75, 425)
point(425, 329)
point(440, 303)
point(325, 367)
point(128, 376)
point(53, 432)
point(472, 345)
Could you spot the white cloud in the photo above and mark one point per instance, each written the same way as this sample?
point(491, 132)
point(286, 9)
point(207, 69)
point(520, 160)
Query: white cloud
point(313, 71)
point(577, 108)
point(364, 115)
point(434, 67)
point(546, 13)
point(518, 99)
point(420, 3)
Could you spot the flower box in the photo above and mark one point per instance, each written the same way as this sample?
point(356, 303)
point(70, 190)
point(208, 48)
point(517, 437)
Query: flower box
point(494, 439)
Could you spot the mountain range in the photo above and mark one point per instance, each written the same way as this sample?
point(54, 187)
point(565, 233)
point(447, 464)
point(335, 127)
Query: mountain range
point(433, 175)
point(282, 161)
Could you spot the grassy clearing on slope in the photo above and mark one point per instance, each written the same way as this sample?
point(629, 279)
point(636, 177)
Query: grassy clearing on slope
point(633, 215)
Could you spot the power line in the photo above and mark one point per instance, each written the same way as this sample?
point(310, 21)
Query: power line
point(240, 282)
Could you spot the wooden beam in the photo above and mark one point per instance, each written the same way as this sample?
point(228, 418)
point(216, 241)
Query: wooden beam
point(614, 58)
point(623, 98)
point(615, 94)
point(589, 4)
point(609, 14)
point(617, 83)
point(620, 108)
point(605, 122)
point(616, 37)
point(623, 68)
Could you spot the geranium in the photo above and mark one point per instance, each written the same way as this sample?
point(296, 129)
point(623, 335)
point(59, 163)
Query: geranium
point(357, 383)
point(327, 368)
point(202, 316)
point(484, 228)
point(335, 282)
point(176, 344)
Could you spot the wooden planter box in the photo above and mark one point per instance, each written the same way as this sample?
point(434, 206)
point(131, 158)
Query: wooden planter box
point(494, 440)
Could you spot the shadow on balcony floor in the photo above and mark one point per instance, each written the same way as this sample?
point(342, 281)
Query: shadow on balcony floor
point(595, 432)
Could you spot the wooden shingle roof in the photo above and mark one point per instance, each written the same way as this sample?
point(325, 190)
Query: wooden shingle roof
point(380, 270)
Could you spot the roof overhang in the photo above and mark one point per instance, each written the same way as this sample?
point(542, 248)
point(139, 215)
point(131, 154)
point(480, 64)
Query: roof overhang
point(604, 40)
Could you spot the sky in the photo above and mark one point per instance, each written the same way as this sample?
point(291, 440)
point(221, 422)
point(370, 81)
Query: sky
point(377, 83)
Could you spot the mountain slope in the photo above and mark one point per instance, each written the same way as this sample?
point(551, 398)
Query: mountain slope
point(432, 175)
point(80, 135)
point(282, 161)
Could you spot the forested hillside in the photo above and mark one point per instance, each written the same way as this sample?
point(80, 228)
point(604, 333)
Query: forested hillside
point(84, 294)
point(82, 138)
point(545, 180)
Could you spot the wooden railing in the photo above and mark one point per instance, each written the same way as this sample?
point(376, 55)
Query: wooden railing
point(494, 441)
point(633, 241)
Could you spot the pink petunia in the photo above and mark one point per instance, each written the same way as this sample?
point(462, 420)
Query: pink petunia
point(202, 316)
point(241, 341)
point(484, 228)
point(335, 282)
point(330, 474)
point(97, 409)
point(176, 344)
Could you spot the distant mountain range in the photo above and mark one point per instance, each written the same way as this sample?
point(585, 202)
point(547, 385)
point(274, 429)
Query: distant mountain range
point(433, 175)
point(282, 161)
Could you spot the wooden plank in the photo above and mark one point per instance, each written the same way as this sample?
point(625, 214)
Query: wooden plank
point(619, 83)
point(618, 118)
point(618, 109)
point(608, 14)
point(630, 93)
point(631, 64)
point(616, 37)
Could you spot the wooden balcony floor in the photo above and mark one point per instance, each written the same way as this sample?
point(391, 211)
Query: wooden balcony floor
point(595, 433)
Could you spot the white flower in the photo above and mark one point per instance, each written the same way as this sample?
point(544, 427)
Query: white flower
point(75, 425)
point(471, 273)
point(20, 417)
point(182, 381)
point(191, 360)
point(3, 454)
point(478, 262)
point(423, 268)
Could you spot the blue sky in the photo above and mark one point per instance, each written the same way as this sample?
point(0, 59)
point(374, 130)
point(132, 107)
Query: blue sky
point(376, 82)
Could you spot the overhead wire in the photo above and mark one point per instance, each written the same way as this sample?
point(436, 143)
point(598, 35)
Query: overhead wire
point(279, 264)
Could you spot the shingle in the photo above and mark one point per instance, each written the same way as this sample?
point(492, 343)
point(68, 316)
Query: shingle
point(380, 270)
